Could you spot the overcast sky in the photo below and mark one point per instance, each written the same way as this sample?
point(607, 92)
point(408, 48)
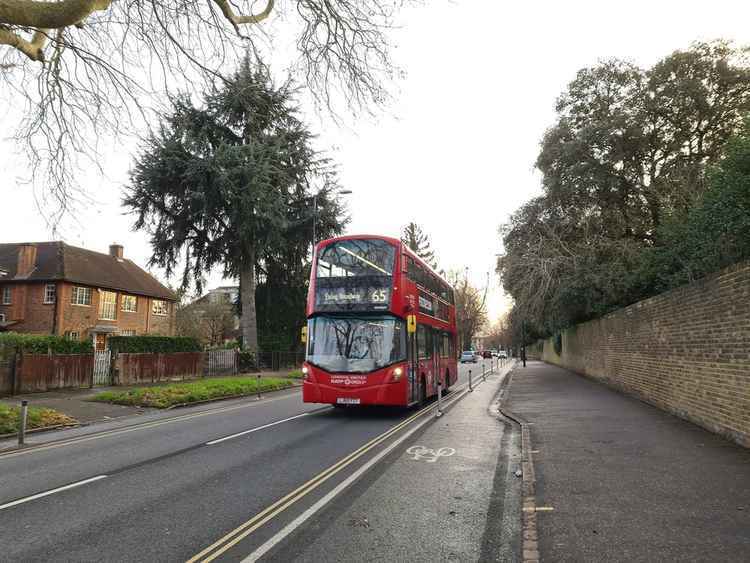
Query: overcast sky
point(455, 151)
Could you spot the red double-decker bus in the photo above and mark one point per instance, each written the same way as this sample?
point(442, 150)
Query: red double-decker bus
point(381, 325)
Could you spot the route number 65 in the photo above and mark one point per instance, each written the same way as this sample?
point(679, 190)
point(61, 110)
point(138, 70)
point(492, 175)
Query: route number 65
point(378, 296)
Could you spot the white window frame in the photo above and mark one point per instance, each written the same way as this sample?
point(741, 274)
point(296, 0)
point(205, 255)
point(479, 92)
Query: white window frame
point(7, 295)
point(160, 307)
point(128, 332)
point(74, 332)
point(126, 298)
point(47, 287)
point(107, 305)
point(79, 290)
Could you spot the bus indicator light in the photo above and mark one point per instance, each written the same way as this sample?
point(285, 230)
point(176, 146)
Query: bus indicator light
point(303, 335)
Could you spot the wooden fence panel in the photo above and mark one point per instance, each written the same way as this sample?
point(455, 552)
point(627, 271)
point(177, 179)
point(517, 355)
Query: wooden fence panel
point(133, 369)
point(6, 376)
point(42, 372)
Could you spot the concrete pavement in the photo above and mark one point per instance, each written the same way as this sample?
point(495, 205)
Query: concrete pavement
point(626, 481)
point(447, 494)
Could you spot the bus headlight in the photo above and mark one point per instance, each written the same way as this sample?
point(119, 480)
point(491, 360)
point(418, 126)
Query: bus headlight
point(397, 373)
point(305, 371)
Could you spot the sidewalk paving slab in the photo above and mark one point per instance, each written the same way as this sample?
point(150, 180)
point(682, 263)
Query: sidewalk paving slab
point(625, 480)
point(417, 506)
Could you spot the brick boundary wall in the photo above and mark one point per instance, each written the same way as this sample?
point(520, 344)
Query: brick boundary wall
point(686, 351)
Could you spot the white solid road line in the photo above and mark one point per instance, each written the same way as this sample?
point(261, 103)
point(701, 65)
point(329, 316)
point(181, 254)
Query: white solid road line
point(51, 492)
point(297, 522)
point(212, 442)
point(135, 427)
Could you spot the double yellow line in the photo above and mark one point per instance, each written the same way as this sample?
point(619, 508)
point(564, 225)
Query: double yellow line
point(241, 532)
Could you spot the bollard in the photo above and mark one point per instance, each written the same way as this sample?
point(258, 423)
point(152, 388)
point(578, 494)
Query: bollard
point(22, 426)
point(439, 412)
point(470, 387)
point(258, 386)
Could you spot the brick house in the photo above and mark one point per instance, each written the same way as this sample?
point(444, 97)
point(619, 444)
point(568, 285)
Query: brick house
point(55, 288)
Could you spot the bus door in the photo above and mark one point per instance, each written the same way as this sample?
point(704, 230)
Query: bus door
point(437, 339)
point(413, 371)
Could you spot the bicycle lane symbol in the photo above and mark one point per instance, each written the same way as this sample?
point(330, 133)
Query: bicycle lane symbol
point(420, 453)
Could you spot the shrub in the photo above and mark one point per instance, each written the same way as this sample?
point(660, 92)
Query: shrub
point(42, 343)
point(246, 361)
point(153, 344)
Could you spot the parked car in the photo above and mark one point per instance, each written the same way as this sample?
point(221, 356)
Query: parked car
point(468, 356)
point(487, 354)
point(503, 354)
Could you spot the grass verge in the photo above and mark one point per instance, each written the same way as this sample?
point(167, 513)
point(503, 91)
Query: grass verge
point(163, 396)
point(295, 374)
point(37, 418)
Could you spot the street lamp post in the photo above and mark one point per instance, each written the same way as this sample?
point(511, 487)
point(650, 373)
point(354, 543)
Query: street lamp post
point(315, 214)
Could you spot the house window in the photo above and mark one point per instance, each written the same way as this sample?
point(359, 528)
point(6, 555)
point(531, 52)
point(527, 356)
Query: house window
point(81, 296)
point(6, 295)
point(127, 333)
point(129, 303)
point(107, 305)
point(2, 317)
point(74, 335)
point(159, 307)
point(50, 293)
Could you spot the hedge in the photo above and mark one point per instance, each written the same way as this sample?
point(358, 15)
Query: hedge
point(153, 344)
point(42, 343)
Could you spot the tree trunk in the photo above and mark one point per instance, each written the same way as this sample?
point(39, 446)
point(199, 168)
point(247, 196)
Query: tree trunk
point(248, 321)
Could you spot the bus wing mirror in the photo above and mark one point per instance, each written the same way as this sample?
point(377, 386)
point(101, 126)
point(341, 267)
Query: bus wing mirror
point(303, 335)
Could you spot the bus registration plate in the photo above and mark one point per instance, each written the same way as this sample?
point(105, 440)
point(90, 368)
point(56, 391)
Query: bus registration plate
point(347, 401)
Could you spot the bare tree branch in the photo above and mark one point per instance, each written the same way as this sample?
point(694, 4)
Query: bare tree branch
point(83, 74)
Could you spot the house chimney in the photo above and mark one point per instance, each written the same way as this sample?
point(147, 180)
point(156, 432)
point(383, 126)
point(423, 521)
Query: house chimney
point(115, 250)
point(26, 260)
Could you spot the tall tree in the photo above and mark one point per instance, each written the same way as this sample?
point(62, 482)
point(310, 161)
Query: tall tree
point(471, 310)
point(716, 231)
point(228, 184)
point(78, 69)
point(629, 151)
point(416, 239)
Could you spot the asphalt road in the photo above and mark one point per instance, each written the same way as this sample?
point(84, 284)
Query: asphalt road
point(165, 489)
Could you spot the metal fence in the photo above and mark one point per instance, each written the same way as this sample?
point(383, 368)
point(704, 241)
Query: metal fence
point(102, 371)
point(221, 362)
point(275, 361)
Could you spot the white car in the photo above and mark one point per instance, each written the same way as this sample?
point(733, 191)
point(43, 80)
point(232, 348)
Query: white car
point(468, 356)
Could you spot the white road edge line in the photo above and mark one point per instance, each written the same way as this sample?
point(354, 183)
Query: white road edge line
point(225, 438)
point(51, 492)
point(133, 428)
point(294, 524)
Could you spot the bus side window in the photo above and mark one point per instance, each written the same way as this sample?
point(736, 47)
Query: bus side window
point(424, 342)
point(421, 341)
point(411, 270)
